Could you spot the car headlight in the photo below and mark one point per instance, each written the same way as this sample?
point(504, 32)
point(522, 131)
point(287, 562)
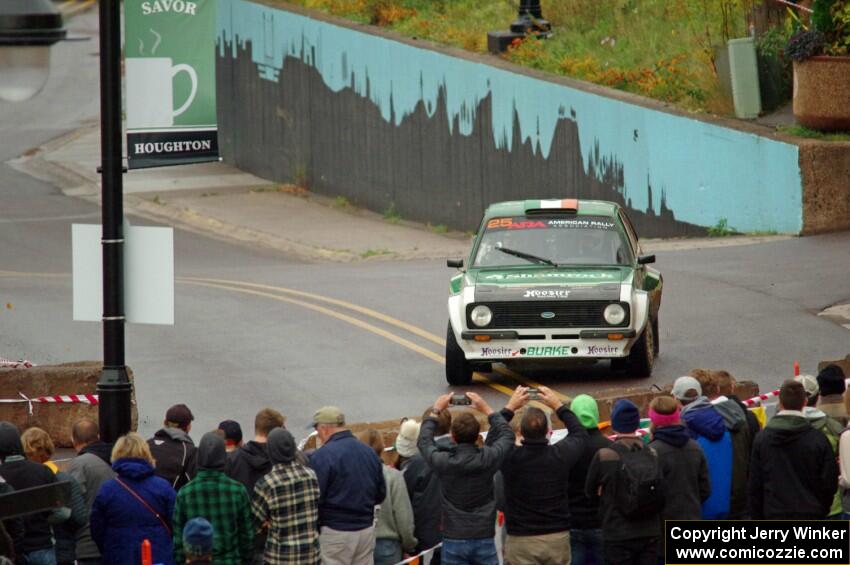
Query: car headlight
point(614, 314)
point(481, 316)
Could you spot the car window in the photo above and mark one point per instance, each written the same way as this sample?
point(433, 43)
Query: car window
point(571, 240)
point(631, 232)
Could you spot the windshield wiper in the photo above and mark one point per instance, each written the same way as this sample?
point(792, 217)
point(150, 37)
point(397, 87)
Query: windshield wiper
point(527, 256)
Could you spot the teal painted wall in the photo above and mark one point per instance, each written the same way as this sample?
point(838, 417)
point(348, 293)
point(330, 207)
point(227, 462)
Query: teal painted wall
point(703, 171)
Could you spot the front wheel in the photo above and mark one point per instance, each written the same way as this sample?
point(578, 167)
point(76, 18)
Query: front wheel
point(458, 369)
point(642, 357)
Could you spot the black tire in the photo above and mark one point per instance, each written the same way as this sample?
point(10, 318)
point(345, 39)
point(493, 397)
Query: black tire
point(458, 369)
point(642, 356)
point(657, 335)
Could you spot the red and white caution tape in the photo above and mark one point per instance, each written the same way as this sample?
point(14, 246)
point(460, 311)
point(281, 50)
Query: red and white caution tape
point(761, 398)
point(90, 399)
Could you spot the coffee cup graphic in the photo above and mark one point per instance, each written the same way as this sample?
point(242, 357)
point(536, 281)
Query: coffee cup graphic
point(150, 91)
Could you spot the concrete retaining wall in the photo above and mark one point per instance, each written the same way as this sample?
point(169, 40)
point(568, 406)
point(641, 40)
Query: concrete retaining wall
point(439, 133)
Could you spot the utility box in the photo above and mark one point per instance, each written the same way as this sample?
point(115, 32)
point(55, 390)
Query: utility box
point(744, 74)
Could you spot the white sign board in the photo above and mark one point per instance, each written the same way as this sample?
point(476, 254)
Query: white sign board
point(148, 274)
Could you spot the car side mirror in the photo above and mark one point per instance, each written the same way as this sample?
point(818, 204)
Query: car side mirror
point(454, 263)
point(646, 259)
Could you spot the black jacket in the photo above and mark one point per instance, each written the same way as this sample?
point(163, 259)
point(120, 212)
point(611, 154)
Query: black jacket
point(11, 531)
point(22, 473)
point(736, 422)
point(685, 471)
point(101, 449)
point(249, 464)
point(793, 474)
point(584, 510)
point(603, 475)
point(752, 421)
point(423, 487)
point(536, 477)
point(466, 477)
point(176, 456)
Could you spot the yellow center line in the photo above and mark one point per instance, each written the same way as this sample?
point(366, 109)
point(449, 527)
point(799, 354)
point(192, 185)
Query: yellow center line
point(355, 322)
point(79, 8)
point(66, 3)
point(367, 312)
point(221, 283)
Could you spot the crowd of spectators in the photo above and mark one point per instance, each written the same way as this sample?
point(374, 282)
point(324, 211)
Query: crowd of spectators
point(589, 498)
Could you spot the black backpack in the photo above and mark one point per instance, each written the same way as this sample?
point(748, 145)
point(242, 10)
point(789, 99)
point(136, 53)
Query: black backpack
point(638, 492)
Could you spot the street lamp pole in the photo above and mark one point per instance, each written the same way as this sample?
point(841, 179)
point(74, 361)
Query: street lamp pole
point(114, 387)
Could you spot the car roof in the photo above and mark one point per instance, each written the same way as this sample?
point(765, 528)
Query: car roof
point(581, 207)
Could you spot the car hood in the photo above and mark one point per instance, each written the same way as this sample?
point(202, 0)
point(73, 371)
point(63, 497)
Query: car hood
point(562, 283)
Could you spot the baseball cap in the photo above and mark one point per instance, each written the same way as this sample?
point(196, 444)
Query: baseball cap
point(685, 384)
point(810, 384)
point(198, 537)
point(179, 414)
point(328, 415)
point(232, 430)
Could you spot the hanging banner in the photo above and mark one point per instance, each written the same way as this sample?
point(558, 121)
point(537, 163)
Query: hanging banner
point(169, 68)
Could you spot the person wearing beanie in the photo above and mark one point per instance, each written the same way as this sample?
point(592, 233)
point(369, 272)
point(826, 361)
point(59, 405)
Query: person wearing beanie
point(585, 525)
point(706, 425)
point(198, 535)
point(287, 499)
point(627, 537)
point(683, 464)
point(394, 528)
point(172, 448)
point(222, 501)
point(232, 434)
point(831, 381)
point(405, 441)
point(793, 473)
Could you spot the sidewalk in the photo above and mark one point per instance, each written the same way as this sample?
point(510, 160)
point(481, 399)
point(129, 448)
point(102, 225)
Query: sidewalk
point(219, 200)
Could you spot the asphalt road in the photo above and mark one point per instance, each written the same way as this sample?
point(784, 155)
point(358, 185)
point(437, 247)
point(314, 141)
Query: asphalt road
point(366, 336)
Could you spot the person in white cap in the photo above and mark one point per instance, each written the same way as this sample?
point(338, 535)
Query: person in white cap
point(707, 426)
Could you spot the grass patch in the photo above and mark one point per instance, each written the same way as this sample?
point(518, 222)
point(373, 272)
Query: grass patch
point(721, 229)
point(663, 49)
point(439, 228)
point(341, 203)
point(374, 253)
point(803, 131)
point(391, 214)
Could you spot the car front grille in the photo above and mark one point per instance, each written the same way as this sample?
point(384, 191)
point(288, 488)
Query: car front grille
point(567, 314)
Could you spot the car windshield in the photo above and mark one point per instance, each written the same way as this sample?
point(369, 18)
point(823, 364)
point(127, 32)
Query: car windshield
point(573, 240)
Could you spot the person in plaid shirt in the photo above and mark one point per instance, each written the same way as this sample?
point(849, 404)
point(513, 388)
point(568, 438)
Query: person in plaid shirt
point(219, 499)
point(287, 502)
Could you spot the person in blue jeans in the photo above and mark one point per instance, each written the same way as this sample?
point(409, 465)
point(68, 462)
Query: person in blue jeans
point(466, 476)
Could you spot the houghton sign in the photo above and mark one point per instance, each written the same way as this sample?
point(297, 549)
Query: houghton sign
point(170, 73)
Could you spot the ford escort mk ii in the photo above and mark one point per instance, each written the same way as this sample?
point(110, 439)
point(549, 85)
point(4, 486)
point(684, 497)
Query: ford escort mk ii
point(553, 280)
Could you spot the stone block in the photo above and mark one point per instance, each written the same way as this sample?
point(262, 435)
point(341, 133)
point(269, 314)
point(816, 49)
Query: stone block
point(52, 380)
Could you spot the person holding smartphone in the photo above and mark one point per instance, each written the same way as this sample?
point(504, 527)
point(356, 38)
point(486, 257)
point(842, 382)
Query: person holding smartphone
point(466, 476)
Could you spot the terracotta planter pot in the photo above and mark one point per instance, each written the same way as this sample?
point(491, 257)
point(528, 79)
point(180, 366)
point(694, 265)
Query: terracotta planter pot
point(822, 93)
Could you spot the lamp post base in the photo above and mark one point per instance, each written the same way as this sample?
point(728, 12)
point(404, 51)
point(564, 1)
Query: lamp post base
point(114, 391)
